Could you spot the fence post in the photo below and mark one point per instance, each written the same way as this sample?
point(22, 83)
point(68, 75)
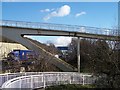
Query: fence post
point(42, 77)
point(44, 80)
point(25, 74)
point(20, 83)
point(58, 78)
point(7, 76)
point(31, 82)
point(83, 80)
point(70, 79)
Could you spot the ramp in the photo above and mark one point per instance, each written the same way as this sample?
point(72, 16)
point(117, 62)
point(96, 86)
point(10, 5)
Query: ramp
point(61, 64)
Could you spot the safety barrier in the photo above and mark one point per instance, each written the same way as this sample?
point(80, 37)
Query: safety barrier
point(51, 26)
point(48, 79)
point(7, 76)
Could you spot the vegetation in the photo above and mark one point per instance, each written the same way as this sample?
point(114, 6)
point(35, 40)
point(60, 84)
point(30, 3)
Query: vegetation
point(40, 64)
point(99, 57)
point(69, 87)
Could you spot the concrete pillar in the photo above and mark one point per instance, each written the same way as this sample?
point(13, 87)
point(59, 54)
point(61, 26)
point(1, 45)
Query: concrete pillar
point(78, 53)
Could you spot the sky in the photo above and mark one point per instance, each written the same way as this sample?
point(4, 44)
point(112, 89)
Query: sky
point(93, 14)
point(59, 0)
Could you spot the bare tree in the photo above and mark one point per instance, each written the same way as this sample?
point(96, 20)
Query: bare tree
point(100, 57)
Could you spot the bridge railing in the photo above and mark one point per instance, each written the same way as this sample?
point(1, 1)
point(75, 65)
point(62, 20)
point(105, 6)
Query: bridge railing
point(7, 76)
point(50, 26)
point(48, 79)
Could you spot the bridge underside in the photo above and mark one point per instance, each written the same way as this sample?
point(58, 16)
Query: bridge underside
point(7, 40)
point(14, 36)
point(46, 32)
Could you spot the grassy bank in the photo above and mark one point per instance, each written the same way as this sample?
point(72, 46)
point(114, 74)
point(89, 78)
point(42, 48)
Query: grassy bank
point(69, 87)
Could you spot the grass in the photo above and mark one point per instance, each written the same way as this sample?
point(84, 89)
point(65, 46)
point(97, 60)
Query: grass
point(69, 87)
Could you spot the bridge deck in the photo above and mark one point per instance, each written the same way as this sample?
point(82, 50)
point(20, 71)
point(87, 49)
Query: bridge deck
point(62, 27)
point(63, 30)
point(46, 32)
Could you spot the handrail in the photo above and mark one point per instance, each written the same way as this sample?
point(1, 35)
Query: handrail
point(7, 76)
point(50, 26)
point(48, 79)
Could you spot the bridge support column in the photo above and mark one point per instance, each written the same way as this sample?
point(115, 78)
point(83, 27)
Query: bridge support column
point(78, 53)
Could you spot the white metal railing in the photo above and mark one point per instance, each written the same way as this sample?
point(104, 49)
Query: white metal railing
point(50, 26)
point(7, 76)
point(48, 79)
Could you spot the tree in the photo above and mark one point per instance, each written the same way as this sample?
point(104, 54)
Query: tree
point(100, 57)
point(107, 64)
point(72, 52)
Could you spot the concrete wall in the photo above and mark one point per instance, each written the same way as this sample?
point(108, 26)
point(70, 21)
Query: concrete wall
point(5, 48)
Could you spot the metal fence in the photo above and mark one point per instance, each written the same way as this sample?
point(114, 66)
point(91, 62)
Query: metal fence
point(43, 79)
point(50, 26)
point(7, 76)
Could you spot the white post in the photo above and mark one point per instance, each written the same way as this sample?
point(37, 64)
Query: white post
point(83, 80)
point(25, 74)
point(7, 77)
point(42, 77)
point(70, 79)
point(78, 54)
point(44, 80)
point(31, 82)
point(58, 78)
point(20, 83)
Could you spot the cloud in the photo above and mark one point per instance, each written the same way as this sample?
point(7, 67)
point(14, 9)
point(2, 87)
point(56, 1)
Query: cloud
point(57, 41)
point(62, 41)
point(79, 14)
point(82, 29)
point(45, 10)
point(60, 12)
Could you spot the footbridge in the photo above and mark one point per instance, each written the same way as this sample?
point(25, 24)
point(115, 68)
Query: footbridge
point(14, 31)
point(49, 29)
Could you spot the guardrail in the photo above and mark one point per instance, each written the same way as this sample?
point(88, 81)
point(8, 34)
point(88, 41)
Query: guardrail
point(7, 76)
point(48, 79)
point(50, 26)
